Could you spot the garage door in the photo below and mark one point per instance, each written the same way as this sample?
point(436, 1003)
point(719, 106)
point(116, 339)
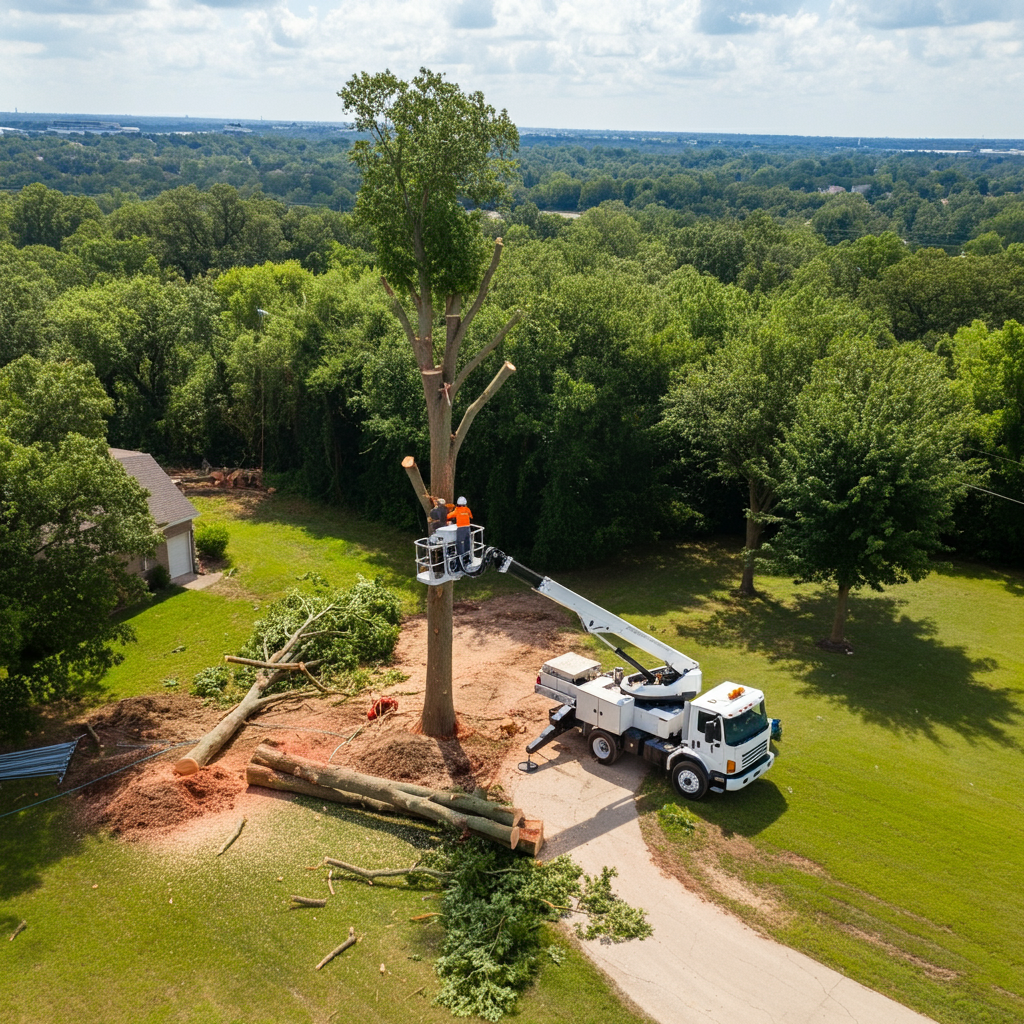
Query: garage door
point(179, 555)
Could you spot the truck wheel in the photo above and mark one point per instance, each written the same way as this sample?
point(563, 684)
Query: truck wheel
point(690, 780)
point(604, 747)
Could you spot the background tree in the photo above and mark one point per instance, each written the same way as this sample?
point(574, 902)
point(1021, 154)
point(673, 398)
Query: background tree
point(430, 147)
point(990, 367)
point(69, 518)
point(733, 410)
point(869, 471)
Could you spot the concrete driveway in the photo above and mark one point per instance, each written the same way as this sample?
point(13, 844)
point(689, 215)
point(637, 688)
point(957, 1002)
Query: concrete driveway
point(702, 965)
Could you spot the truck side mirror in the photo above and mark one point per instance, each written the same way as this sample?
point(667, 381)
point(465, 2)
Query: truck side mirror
point(711, 731)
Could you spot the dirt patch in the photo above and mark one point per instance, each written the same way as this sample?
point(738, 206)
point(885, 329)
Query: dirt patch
point(934, 972)
point(499, 646)
point(157, 799)
point(736, 890)
point(794, 860)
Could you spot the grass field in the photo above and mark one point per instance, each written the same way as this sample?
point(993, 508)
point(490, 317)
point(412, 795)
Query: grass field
point(119, 934)
point(886, 841)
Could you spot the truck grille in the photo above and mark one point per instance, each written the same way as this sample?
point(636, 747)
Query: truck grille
point(750, 756)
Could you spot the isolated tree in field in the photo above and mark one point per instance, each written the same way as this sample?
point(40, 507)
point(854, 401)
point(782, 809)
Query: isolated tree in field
point(734, 410)
point(430, 148)
point(869, 471)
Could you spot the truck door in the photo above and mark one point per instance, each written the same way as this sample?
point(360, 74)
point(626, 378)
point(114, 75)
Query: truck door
point(709, 739)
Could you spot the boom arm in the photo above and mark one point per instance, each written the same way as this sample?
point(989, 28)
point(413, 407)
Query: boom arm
point(598, 621)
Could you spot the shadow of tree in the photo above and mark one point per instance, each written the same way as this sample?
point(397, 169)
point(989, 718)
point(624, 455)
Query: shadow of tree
point(32, 840)
point(902, 676)
point(1012, 580)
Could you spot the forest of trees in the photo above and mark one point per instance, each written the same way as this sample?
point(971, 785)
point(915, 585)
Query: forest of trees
point(678, 260)
point(928, 199)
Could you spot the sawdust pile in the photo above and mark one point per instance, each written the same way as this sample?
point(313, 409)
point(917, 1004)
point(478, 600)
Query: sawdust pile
point(499, 646)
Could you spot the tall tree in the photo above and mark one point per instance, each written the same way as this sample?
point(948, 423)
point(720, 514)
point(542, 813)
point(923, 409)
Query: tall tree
point(735, 408)
point(430, 148)
point(869, 471)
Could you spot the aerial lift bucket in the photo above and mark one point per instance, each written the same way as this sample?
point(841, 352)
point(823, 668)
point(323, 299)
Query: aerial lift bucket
point(438, 560)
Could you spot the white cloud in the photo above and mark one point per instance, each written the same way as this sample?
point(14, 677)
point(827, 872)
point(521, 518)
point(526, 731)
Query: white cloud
point(909, 67)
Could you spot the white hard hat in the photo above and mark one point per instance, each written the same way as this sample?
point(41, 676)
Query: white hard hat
point(461, 501)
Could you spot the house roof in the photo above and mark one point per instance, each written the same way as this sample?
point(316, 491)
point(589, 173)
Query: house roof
point(167, 505)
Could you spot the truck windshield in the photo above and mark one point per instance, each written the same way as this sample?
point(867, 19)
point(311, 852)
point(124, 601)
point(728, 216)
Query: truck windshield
point(746, 726)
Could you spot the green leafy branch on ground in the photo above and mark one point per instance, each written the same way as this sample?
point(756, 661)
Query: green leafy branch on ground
point(493, 905)
point(353, 628)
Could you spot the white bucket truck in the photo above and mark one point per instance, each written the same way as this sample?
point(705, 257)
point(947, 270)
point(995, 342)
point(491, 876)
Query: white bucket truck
point(718, 741)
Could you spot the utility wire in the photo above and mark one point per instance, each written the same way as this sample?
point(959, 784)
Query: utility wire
point(992, 455)
point(994, 494)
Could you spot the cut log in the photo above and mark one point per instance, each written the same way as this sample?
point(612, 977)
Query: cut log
point(531, 836)
point(377, 788)
point(505, 834)
point(258, 775)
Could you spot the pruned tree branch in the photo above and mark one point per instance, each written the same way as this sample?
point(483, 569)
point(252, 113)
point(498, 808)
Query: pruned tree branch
point(488, 393)
point(403, 319)
point(484, 352)
point(409, 465)
point(457, 336)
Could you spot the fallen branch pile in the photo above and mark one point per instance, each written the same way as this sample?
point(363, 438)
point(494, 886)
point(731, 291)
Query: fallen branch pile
point(275, 769)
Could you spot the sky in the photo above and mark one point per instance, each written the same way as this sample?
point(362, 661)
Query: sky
point(902, 68)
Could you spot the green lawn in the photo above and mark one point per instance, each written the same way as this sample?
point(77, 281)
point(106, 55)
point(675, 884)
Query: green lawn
point(899, 775)
point(119, 934)
point(885, 842)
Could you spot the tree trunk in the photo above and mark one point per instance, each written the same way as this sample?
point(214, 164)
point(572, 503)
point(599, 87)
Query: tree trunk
point(201, 753)
point(758, 503)
point(438, 703)
point(839, 623)
point(438, 717)
point(753, 542)
point(357, 785)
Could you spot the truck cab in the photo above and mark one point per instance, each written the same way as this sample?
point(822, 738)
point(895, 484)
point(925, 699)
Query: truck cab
point(716, 741)
point(728, 732)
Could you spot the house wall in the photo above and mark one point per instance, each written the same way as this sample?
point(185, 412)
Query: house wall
point(141, 566)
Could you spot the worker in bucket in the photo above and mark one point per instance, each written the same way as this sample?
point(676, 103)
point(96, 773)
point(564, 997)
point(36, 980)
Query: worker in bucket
point(462, 517)
point(437, 516)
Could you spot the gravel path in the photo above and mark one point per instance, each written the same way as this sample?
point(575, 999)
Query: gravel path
point(702, 965)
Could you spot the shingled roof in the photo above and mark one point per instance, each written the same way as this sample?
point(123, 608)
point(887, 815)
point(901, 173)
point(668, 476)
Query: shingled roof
point(167, 505)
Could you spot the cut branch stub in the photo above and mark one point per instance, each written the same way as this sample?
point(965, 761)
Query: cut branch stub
point(409, 465)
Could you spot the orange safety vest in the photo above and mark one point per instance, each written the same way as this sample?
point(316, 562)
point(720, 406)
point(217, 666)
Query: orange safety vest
point(461, 515)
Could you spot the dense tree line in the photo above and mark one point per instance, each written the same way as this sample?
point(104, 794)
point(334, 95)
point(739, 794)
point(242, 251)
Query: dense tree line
point(930, 199)
point(241, 331)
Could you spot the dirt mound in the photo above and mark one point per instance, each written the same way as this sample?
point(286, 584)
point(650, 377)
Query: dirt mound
point(159, 799)
point(405, 757)
point(165, 716)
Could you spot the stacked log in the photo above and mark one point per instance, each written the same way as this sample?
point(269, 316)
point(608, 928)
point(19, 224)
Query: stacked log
point(278, 770)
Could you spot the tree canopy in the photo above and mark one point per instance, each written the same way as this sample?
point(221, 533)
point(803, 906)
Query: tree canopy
point(870, 470)
point(430, 147)
point(70, 518)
